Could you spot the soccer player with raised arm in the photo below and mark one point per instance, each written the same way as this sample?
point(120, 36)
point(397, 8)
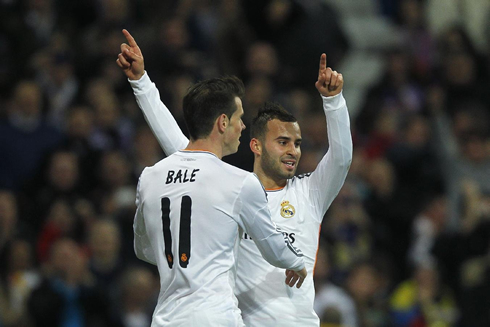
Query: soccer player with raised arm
point(191, 207)
point(297, 203)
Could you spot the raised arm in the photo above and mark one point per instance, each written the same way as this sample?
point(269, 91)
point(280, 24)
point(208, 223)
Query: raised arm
point(157, 115)
point(329, 176)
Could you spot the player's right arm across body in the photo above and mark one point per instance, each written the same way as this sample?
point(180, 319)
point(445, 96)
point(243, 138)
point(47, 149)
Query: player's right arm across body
point(255, 219)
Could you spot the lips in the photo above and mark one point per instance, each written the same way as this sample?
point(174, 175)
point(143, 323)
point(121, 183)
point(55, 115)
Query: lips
point(289, 163)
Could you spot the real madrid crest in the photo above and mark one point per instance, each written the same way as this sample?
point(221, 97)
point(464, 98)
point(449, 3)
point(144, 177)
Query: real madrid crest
point(287, 210)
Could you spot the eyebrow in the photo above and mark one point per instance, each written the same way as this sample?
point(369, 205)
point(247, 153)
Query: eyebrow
point(285, 138)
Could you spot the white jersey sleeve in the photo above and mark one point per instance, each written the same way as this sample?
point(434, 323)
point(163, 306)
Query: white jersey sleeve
point(326, 181)
point(159, 118)
point(256, 218)
point(142, 244)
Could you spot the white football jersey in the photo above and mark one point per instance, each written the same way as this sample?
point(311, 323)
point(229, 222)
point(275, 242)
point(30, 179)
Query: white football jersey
point(190, 208)
point(297, 209)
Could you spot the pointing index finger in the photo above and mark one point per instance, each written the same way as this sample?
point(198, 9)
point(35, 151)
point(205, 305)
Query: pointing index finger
point(323, 61)
point(129, 37)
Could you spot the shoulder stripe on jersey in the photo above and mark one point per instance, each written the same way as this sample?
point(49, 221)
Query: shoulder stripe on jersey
point(302, 176)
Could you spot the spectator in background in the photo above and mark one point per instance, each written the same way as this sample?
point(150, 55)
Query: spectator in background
point(59, 222)
point(97, 39)
point(299, 30)
point(395, 96)
point(414, 162)
point(67, 295)
point(8, 218)
point(106, 260)
point(475, 286)
point(463, 155)
point(112, 130)
point(15, 259)
point(115, 193)
point(55, 73)
point(139, 296)
point(60, 180)
point(172, 53)
point(472, 15)
point(423, 300)
point(332, 303)
point(427, 226)
point(78, 133)
point(463, 256)
point(461, 72)
point(104, 245)
point(347, 229)
point(41, 18)
point(368, 285)
point(18, 277)
point(417, 38)
point(146, 151)
point(390, 213)
point(26, 138)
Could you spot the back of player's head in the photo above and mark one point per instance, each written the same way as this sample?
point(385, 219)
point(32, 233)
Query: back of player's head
point(207, 100)
point(268, 112)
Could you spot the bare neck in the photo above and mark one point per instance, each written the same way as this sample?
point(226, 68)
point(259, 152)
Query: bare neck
point(267, 181)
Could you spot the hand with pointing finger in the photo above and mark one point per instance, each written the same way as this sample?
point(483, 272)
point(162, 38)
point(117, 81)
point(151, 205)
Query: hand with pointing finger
point(330, 82)
point(130, 60)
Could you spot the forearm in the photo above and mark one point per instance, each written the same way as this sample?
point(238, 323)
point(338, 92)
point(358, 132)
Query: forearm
point(273, 250)
point(162, 123)
point(256, 219)
point(330, 174)
point(338, 130)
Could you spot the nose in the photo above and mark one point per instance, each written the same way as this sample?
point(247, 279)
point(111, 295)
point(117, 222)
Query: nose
point(293, 150)
point(243, 125)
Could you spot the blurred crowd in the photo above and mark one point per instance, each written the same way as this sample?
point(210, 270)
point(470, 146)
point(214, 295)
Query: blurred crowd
point(406, 242)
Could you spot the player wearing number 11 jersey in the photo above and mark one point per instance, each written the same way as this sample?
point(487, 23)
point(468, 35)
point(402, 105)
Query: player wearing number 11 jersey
point(190, 206)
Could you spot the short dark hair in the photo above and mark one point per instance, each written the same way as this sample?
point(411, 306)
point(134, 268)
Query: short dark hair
point(208, 99)
point(268, 112)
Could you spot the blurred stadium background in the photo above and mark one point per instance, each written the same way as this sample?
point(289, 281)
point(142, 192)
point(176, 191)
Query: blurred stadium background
point(406, 242)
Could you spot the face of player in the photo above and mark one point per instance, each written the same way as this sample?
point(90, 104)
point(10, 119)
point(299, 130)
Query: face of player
point(234, 130)
point(282, 150)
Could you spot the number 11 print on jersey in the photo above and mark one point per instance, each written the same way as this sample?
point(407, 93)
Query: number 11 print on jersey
point(184, 234)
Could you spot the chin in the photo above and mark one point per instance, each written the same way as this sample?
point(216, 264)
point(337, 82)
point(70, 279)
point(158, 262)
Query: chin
point(288, 174)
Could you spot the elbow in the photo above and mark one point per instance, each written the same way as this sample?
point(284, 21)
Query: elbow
point(343, 163)
point(139, 252)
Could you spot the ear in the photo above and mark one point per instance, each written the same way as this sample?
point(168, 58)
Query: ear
point(256, 146)
point(222, 122)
